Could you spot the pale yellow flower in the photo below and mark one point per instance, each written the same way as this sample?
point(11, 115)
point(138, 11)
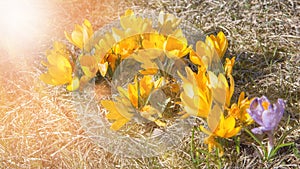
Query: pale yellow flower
point(134, 99)
point(146, 57)
point(167, 23)
point(118, 111)
point(133, 25)
point(60, 69)
point(222, 91)
point(196, 97)
point(126, 47)
point(205, 54)
point(81, 35)
point(103, 50)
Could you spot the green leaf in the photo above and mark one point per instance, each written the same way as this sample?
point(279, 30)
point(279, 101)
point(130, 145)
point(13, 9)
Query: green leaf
point(273, 151)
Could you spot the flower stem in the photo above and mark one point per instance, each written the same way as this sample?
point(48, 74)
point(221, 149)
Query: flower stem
point(270, 143)
point(258, 141)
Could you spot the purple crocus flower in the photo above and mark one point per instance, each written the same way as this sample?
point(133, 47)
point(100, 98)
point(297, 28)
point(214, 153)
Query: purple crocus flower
point(267, 115)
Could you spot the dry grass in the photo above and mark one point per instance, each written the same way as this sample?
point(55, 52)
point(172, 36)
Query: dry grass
point(39, 127)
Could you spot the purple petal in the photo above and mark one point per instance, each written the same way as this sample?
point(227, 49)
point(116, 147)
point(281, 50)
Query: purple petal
point(255, 110)
point(264, 99)
point(273, 115)
point(258, 130)
point(270, 119)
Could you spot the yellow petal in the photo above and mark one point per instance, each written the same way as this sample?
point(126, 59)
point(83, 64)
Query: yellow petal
point(74, 85)
point(214, 117)
point(223, 43)
point(146, 86)
point(103, 68)
point(160, 123)
point(89, 65)
point(110, 106)
point(61, 76)
point(218, 85)
point(229, 123)
point(133, 93)
point(241, 98)
point(230, 91)
point(118, 124)
point(150, 71)
point(47, 78)
point(129, 12)
point(175, 47)
point(233, 132)
point(189, 105)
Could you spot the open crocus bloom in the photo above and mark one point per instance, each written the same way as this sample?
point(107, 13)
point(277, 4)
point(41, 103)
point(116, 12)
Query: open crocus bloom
point(60, 68)
point(267, 115)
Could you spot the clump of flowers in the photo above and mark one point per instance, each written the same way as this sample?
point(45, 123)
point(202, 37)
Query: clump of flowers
point(168, 68)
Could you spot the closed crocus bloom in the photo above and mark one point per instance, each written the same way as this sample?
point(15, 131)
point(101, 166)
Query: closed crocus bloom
point(133, 24)
point(196, 96)
point(222, 91)
point(229, 65)
point(219, 42)
point(267, 115)
point(140, 90)
point(81, 35)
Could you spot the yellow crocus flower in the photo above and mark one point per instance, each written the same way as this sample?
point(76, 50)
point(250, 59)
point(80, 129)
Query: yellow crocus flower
point(219, 127)
point(222, 91)
point(219, 42)
point(196, 97)
point(133, 25)
point(153, 40)
point(133, 100)
point(133, 93)
point(203, 53)
point(60, 69)
point(81, 35)
point(118, 111)
point(176, 48)
point(126, 47)
point(139, 91)
point(103, 50)
point(229, 66)
point(238, 110)
point(167, 23)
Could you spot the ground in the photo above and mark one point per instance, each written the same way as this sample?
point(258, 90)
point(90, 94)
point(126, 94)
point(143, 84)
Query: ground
point(39, 127)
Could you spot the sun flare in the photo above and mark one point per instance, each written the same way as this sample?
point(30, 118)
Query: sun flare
point(21, 22)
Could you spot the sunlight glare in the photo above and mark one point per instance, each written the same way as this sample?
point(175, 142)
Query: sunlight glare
point(21, 22)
